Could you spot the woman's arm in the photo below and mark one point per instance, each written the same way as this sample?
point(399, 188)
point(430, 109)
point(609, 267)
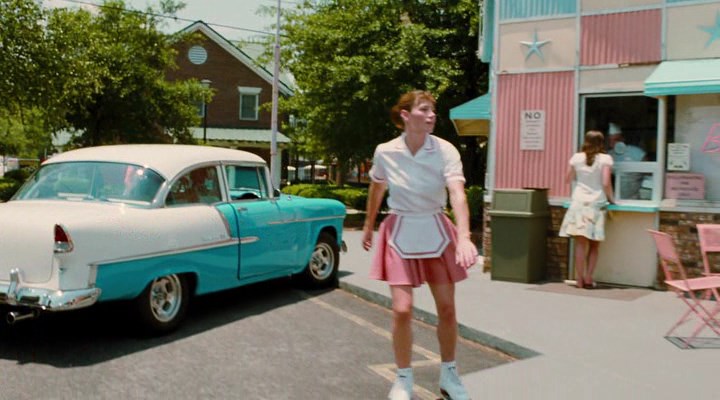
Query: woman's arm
point(376, 192)
point(606, 182)
point(466, 251)
point(570, 175)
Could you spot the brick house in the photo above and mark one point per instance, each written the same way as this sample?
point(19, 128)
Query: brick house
point(235, 117)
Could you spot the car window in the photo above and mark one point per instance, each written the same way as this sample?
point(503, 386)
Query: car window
point(246, 182)
point(200, 185)
point(104, 181)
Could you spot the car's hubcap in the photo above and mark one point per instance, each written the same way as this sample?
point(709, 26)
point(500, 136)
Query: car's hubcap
point(322, 261)
point(165, 297)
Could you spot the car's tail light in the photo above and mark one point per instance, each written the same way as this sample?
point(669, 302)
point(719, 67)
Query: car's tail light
point(63, 243)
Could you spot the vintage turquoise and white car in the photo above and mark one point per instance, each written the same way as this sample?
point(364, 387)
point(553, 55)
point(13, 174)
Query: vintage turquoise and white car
point(156, 225)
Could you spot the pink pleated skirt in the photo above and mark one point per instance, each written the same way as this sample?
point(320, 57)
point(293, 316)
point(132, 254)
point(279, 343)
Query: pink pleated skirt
point(388, 266)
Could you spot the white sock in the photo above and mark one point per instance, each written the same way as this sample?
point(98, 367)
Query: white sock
point(405, 373)
point(448, 364)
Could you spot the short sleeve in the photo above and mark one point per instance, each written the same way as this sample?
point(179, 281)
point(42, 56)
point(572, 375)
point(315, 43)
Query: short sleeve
point(377, 171)
point(608, 160)
point(453, 170)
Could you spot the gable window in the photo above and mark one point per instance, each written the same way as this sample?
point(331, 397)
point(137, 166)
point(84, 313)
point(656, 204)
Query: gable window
point(249, 103)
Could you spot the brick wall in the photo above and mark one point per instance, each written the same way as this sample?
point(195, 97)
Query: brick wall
point(681, 225)
point(227, 74)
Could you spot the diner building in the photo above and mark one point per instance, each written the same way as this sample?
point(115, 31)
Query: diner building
point(644, 72)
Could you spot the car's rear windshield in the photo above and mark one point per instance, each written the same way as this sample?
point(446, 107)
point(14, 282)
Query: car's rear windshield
point(92, 181)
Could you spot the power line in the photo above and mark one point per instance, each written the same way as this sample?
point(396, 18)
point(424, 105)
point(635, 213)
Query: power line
point(172, 17)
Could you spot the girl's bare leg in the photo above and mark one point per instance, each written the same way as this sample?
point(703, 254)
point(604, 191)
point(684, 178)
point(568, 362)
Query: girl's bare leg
point(593, 253)
point(402, 303)
point(581, 251)
point(447, 330)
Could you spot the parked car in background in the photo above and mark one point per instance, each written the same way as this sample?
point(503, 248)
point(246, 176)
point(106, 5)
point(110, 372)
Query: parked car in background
point(156, 225)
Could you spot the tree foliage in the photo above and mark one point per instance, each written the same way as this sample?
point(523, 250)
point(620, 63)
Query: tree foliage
point(100, 73)
point(352, 59)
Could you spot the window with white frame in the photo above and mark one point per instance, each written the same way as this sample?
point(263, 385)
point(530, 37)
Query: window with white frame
point(249, 102)
point(630, 125)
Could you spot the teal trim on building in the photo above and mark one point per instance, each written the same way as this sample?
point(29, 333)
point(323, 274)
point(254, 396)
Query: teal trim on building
point(684, 77)
point(488, 31)
point(520, 9)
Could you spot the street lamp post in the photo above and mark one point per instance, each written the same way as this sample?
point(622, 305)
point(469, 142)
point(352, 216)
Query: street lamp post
point(274, 161)
point(206, 83)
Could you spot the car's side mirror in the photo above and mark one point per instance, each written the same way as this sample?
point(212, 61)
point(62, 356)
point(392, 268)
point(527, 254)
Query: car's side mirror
point(276, 193)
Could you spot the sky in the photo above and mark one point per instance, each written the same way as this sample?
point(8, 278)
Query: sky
point(220, 14)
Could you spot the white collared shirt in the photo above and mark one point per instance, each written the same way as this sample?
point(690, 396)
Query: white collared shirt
point(417, 183)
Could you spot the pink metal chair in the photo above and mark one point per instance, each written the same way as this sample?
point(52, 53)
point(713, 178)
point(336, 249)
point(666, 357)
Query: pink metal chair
point(692, 291)
point(709, 235)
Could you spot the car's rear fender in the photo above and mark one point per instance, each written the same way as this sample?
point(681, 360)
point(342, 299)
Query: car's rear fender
point(213, 269)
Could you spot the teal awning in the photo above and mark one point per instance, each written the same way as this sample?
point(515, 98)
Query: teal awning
point(478, 108)
point(472, 118)
point(684, 77)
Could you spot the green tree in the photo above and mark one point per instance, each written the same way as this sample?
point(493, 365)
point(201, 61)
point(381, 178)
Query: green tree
point(25, 60)
point(101, 74)
point(127, 57)
point(352, 59)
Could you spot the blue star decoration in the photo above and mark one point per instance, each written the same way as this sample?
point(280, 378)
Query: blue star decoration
point(713, 30)
point(535, 46)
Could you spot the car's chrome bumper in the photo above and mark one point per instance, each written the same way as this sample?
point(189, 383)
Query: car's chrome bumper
point(15, 294)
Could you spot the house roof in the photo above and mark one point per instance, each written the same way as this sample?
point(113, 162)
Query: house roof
point(285, 86)
point(238, 135)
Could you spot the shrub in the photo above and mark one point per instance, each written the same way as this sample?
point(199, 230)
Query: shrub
point(8, 187)
point(351, 197)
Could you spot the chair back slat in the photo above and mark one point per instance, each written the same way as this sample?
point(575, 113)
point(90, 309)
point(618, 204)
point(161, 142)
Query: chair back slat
point(709, 236)
point(668, 254)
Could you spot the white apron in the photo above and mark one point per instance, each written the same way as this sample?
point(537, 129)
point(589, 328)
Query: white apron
point(419, 235)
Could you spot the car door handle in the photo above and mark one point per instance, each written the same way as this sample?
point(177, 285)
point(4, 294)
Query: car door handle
point(241, 209)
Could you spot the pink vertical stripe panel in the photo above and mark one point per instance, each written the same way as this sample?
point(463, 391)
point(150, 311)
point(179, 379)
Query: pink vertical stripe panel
point(554, 93)
point(621, 38)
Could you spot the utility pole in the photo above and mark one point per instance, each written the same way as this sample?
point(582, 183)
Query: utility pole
point(206, 84)
point(274, 160)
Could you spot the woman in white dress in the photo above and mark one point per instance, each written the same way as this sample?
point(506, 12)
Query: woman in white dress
point(590, 169)
point(417, 243)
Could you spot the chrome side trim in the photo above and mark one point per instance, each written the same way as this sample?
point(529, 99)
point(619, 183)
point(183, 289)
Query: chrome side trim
point(222, 243)
point(292, 221)
point(249, 239)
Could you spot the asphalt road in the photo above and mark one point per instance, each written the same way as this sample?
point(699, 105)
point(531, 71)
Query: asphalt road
point(268, 341)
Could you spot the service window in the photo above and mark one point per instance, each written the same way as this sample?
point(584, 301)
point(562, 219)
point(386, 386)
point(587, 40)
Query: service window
point(630, 125)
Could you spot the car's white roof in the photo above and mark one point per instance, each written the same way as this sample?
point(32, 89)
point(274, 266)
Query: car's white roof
point(167, 159)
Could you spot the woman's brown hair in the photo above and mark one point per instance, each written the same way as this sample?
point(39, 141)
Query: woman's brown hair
point(594, 144)
point(406, 102)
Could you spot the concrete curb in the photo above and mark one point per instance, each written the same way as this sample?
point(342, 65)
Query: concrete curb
point(466, 332)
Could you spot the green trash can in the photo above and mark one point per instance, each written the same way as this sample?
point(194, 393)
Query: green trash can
point(518, 221)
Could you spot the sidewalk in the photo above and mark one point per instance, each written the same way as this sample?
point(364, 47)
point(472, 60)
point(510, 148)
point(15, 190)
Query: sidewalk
point(570, 343)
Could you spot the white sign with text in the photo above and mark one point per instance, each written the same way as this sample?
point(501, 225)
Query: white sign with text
point(678, 157)
point(532, 130)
